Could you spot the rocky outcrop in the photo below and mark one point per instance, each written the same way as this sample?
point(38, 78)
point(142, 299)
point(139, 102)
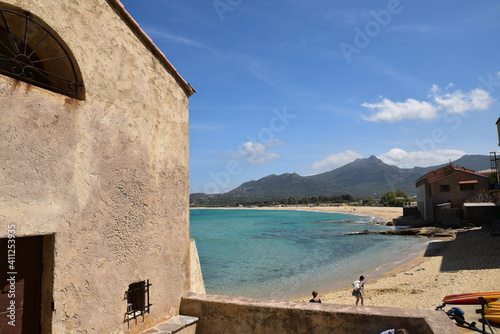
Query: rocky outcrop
point(428, 231)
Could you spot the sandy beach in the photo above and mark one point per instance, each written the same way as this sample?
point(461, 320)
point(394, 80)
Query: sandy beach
point(467, 262)
point(382, 213)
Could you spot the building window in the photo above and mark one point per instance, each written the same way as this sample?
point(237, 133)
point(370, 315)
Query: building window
point(444, 187)
point(466, 187)
point(138, 299)
point(31, 52)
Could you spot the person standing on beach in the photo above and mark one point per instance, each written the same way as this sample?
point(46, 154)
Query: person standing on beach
point(315, 298)
point(359, 289)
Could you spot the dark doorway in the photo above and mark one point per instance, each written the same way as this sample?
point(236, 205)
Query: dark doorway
point(21, 282)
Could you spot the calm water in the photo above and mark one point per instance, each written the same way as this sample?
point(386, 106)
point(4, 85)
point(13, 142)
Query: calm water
point(280, 254)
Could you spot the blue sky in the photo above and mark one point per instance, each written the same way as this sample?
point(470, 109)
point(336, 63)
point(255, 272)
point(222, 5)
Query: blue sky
point(308, 86)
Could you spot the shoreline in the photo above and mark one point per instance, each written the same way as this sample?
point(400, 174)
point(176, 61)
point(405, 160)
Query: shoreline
point(378, 214)
point(387, 269)
point(466, 262)
point(382, 213)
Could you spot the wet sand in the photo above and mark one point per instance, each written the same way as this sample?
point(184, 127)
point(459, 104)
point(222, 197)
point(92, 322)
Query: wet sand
point(468, 263)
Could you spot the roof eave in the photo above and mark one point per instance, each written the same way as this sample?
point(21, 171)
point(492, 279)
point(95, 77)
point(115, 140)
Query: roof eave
point(148, 42)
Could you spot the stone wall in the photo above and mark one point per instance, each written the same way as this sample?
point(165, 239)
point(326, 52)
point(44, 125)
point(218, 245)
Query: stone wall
point(481, 214)
point(106, 178)
point(447, 217)
point(224, 314)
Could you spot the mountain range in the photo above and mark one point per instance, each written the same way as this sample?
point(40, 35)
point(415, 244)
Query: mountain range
point(362, 177)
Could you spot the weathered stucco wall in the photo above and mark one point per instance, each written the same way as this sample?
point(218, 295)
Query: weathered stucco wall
point(107, 176)
point(456, 196)
point(224, 314)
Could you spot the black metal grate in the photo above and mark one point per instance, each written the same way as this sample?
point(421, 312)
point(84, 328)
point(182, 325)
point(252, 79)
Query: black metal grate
point(493, 160)
point(494, 166)
point(31, 53)
point(138, 299)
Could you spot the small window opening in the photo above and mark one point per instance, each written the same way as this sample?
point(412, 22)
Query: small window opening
point(465, 187)
point(138, 299)
point(444, 187)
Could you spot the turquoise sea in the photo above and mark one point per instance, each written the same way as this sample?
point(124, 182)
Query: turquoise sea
point(284, 254)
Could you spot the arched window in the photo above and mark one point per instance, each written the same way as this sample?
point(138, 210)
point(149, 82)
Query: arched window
point(30, 51)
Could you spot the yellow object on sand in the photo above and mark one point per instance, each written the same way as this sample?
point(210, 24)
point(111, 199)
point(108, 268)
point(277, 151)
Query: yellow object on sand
point(493, 318)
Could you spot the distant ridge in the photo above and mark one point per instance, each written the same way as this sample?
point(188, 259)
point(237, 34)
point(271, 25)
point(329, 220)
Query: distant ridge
point(362, 177)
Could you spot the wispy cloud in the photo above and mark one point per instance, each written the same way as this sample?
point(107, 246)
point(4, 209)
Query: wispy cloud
point(203, 127)
point(256, 66)
point(378, 66)
point(153, 32)
point(336, 160)
point(404, 159)
point(457, 102)
point(413, 28)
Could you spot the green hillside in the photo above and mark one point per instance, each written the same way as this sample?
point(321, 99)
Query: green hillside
point(360, 178)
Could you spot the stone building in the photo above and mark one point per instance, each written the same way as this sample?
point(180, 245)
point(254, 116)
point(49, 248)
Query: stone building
point(94, 171)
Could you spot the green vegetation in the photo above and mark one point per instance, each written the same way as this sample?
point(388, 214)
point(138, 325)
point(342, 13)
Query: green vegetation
point(367, 178)
point(220, 201)
point(492, 179)
point(394, 198)
point(303, 201)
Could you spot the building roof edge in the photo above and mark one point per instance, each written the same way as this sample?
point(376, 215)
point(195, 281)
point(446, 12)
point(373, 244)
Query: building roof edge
point(148, 42)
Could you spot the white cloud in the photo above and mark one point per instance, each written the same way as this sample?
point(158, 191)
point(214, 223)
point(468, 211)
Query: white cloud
point(256, 153)
point(456, 102)
point(459, 102)
point(403, 159)
point(396, 111)
point(181, 40)
point(335, 160)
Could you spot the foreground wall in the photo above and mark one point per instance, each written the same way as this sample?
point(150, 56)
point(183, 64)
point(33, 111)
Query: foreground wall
point(224, 314)
point(103, 180)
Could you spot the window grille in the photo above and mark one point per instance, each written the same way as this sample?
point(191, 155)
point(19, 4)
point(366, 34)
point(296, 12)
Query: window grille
point(464, 187)
point(30, 52)
point(138, 299)
point(444, 187)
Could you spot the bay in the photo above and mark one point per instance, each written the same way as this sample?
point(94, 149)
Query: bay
point(281, 254)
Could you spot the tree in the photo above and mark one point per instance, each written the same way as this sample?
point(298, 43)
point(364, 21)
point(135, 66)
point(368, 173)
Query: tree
point(371, 200)
point(394, 198)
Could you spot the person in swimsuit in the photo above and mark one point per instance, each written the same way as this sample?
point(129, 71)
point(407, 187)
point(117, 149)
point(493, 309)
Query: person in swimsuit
point(315, 298)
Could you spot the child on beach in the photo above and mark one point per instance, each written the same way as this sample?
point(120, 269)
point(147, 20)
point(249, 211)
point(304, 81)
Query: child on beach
point(315, 298)
point(359, 288)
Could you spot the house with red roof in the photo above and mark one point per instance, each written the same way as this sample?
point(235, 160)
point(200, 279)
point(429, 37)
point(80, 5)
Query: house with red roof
point(441, 193)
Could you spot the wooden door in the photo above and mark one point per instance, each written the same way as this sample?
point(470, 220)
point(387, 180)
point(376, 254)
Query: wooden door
point(21, 281)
